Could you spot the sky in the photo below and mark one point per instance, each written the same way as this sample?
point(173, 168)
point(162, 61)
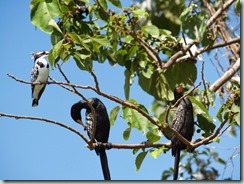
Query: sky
point(35, 150)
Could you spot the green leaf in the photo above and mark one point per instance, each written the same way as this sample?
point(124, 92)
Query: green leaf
point(198, 107)
point(116, 3)
point(235, 109)
point(151, 137)
point(219, 113)
point(156, 152)
point(128, 82)
point(131, 52)
point(157, 85)
point(140, 13)
point(166, 174)
point(43, 13)
point(83, 60)
point(54, 25)
point(238, 6)
point(221, 161)
point(206, 124)
point(126, 133)
point(208, 97)
point(161, 84)
point(102, 40)
point(139, 159)
point(55, 52)
point(204, 119)
point(135, 119)
point(103, 3)
point(113, 115)
point(151, 29)
point(193, 24)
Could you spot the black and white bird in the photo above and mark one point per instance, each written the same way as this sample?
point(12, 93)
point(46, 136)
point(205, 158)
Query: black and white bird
point(39, 73)
point(183, 123)
point(102, 127)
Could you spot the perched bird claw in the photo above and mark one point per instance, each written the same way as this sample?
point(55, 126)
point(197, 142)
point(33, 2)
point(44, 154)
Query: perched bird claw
point(108, 145)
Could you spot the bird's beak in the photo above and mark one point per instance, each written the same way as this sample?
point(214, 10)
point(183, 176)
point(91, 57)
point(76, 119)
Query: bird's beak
point(80, 122)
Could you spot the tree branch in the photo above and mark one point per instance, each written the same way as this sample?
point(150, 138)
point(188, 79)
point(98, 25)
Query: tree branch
point(45, 120)
point(207, 48)
point(212, 19)
point(222, 26)
point(227, 76)
point(90, 146)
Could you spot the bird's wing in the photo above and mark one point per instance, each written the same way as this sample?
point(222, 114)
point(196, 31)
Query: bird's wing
point(34, 73)
point(177, 125)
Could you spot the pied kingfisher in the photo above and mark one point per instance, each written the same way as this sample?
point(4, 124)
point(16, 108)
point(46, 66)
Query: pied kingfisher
point(39, 73)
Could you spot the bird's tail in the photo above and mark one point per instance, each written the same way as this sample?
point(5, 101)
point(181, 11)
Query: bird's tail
point(34, 102)
point(104, 164)
point(176, 165)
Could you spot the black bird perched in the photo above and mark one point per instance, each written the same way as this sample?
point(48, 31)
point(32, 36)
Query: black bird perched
point(183, 123)
point(39, 73)
point(81, 7)
point(102, 126)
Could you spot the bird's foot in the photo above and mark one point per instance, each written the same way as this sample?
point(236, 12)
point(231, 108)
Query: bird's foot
point(108, 145)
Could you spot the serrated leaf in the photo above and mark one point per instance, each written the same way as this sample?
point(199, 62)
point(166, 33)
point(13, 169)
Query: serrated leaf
point(126, 133)
point(139, 159)
point(113, 115)
point(156, 152)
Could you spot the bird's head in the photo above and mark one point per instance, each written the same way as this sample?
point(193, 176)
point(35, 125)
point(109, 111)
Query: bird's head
point(75, 112)
point(40, 54)
point(178, 92)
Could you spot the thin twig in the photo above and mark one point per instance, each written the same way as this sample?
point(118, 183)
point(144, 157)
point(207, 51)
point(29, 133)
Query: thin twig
point(210, 138)
point(45, 120)
point(92, 138)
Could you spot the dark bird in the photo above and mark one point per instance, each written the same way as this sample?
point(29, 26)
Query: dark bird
point(81, 7)
point(39, 73)
point(102, 126)
point(183, 123)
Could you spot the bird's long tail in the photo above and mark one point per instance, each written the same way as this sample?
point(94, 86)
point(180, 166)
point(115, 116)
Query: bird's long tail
point(176, 164)
point(104, 164)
